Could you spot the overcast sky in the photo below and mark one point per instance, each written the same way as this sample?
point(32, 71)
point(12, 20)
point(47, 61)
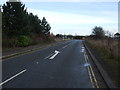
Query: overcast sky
point(76, 17)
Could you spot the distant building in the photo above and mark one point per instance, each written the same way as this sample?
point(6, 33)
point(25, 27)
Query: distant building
point(79, 37)
point(117, 36)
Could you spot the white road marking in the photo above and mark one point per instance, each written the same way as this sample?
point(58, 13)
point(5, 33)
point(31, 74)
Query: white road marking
point(13, 77)
point(91, 73)
point(56, 52)
point(48, 56)
point(65, 46)
point(83, 49)
point(37, 62)
point(86, 64)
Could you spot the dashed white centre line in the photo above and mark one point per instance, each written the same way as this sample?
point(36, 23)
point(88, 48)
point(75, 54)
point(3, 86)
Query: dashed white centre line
point(13, 77)
point(65, 46)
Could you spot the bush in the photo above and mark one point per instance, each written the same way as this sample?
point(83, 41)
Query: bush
point(24, 40)
point(9, 42)
point(37, 39)
point(49, 39)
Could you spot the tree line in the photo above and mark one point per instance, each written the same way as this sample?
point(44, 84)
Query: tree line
point(19, 26)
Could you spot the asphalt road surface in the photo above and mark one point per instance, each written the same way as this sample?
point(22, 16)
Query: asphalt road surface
point(60, 66)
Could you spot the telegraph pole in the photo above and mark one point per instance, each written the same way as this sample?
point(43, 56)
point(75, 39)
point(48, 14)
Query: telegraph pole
point(0, 8)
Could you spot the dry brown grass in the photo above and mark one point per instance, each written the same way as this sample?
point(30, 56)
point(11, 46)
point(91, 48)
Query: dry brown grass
point(106, 46)
point(108, 50)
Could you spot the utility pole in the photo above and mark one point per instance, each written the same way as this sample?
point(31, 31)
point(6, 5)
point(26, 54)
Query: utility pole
point(64, 36)
point(0, 8)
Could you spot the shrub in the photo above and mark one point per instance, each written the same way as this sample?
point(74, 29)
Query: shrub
point(24, 40)
point(9, 42)
point(37, 39)
point(50, 39)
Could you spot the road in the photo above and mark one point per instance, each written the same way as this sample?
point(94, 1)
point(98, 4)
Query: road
point(60, 66)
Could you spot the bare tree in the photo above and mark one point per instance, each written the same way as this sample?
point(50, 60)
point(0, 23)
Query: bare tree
point(98, 32)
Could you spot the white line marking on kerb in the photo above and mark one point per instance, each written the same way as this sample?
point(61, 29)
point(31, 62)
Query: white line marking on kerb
point(13, 77)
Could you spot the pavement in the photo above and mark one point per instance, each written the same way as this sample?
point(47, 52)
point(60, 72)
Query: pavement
point(61, 66)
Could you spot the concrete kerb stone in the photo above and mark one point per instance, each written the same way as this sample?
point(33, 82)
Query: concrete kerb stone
point(19, 53)
point(23, 52)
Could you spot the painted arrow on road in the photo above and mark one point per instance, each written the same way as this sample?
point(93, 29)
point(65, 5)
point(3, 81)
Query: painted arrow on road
point(56, 53)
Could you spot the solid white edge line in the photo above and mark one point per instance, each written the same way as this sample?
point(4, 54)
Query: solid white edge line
point(13, 77)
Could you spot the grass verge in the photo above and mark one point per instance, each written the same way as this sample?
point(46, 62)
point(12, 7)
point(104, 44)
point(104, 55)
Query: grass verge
point(107, 50)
